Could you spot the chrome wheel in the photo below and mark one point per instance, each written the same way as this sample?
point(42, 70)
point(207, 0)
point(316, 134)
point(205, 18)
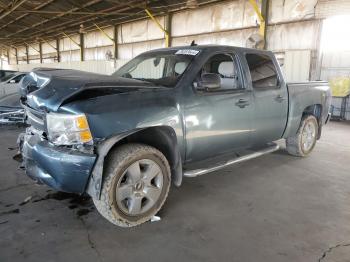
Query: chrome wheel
point(140, 187)
point(308, 136)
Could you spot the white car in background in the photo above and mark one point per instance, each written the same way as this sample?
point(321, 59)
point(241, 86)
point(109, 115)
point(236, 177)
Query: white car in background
point(10, 108)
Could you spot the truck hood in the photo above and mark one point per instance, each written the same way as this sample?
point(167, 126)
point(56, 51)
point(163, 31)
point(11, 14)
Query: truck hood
point(47, 89)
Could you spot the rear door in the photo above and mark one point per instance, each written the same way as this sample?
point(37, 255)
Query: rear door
point(270, 97)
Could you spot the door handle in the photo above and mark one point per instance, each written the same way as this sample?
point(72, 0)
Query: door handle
point(242, 103)
point(280, 98)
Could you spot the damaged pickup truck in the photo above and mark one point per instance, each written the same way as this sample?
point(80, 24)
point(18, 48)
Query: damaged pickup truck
point(167, 113)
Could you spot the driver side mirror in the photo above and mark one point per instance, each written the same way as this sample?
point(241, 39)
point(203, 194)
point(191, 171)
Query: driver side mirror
point(210, 82)
point(12, 81)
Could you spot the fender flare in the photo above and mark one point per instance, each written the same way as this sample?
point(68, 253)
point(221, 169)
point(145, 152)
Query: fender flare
point(95, 182)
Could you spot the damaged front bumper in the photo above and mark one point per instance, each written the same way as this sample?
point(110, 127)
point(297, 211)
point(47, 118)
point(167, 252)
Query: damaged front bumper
point(61, 168)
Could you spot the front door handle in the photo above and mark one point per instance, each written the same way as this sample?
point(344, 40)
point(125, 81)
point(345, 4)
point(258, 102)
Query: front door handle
point(280, 98)
point(242, 103)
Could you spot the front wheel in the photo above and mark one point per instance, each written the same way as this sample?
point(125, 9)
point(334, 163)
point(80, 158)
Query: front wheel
point(305, 139)
point(135, 186)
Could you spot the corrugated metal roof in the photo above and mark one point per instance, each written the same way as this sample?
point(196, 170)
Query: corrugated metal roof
point(31, 20)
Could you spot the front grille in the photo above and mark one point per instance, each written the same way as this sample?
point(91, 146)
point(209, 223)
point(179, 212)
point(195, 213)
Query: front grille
point(35, 118)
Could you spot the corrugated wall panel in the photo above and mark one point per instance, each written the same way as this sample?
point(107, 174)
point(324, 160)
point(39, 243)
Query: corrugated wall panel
point(97, 53)
point(297, 65)
point(97, 38)
point(229, 15)
point(289, 10)
point(143, 30)
point(301, 35)
point(66, 44)
point(128, 51)
point(327, 8)
point(48, 48)
point(236, 38)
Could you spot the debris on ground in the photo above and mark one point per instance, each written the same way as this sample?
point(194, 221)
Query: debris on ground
point(10, 115)
point(155, 219)
point(25, 201)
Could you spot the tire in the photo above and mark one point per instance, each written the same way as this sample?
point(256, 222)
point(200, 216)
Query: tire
point(305, 139)
point(136, 184)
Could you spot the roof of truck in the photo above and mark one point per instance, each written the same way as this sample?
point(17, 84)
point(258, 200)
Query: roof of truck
point(211, 47)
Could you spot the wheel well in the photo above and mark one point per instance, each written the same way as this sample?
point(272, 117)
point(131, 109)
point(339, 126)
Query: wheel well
point(316, 111)
point(164, 139)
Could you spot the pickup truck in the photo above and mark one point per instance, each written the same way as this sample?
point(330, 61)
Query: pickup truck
point(166, 114)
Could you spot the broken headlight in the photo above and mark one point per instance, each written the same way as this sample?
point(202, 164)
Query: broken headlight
point(66, 129)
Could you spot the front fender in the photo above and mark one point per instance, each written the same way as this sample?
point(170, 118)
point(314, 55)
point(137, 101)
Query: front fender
point(95, 181)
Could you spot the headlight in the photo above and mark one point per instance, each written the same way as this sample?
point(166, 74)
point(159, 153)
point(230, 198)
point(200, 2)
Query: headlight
point(65, 129)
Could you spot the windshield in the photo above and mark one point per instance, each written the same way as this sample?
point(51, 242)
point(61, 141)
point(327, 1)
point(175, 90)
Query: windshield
point(163, 68)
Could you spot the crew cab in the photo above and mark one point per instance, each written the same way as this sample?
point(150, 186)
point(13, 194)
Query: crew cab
point(166, 114)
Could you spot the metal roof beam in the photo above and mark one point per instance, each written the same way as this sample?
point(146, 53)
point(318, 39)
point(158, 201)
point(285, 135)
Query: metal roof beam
point(24, 15)
point(14, 7)
point(57, 16)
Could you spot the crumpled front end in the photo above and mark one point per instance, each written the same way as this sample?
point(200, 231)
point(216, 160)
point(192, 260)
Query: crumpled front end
point(63, 169)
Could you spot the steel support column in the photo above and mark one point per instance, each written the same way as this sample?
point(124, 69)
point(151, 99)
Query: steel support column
point(81, 47)
point(168, 19)
point(27, 54)
point(41, 52)
point(16, 54)
point(115, 41)
point(265, 15)
point(262, 13)
point(8, 56)
point(58, 50)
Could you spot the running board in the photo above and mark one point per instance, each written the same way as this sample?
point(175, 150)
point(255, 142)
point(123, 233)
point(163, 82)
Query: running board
point(197, 172)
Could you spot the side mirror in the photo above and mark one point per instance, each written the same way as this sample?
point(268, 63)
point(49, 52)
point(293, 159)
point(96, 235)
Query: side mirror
point(12, 81)
point(210, 82)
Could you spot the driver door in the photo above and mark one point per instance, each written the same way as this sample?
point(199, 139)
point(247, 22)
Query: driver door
point(218, 121)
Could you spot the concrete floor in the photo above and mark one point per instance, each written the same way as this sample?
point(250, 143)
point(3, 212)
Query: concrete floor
point(274, 208)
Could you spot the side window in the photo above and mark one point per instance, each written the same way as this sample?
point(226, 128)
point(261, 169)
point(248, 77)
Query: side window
point(225, 67)
point(262, 70)
point(16, 79)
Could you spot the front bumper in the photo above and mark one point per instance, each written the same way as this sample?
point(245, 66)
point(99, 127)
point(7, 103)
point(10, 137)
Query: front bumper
point(61, 168)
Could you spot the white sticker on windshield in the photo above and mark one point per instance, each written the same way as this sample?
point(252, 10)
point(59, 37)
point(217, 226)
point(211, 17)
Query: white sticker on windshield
point(187, 52)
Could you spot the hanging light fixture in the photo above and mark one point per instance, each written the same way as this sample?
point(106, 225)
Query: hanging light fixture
point(191, 4)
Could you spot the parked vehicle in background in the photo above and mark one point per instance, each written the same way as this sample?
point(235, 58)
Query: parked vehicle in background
point(10, 108)
point(5, 73)
point(168, 113)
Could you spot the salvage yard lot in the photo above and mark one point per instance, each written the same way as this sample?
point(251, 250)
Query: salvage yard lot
point(274, 208)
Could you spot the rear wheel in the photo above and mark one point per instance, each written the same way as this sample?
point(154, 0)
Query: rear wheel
point(136, 185)
point(305, 140)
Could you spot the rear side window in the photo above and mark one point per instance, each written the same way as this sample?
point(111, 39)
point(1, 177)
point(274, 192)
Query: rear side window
point(17, 79)
point(262, 70)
